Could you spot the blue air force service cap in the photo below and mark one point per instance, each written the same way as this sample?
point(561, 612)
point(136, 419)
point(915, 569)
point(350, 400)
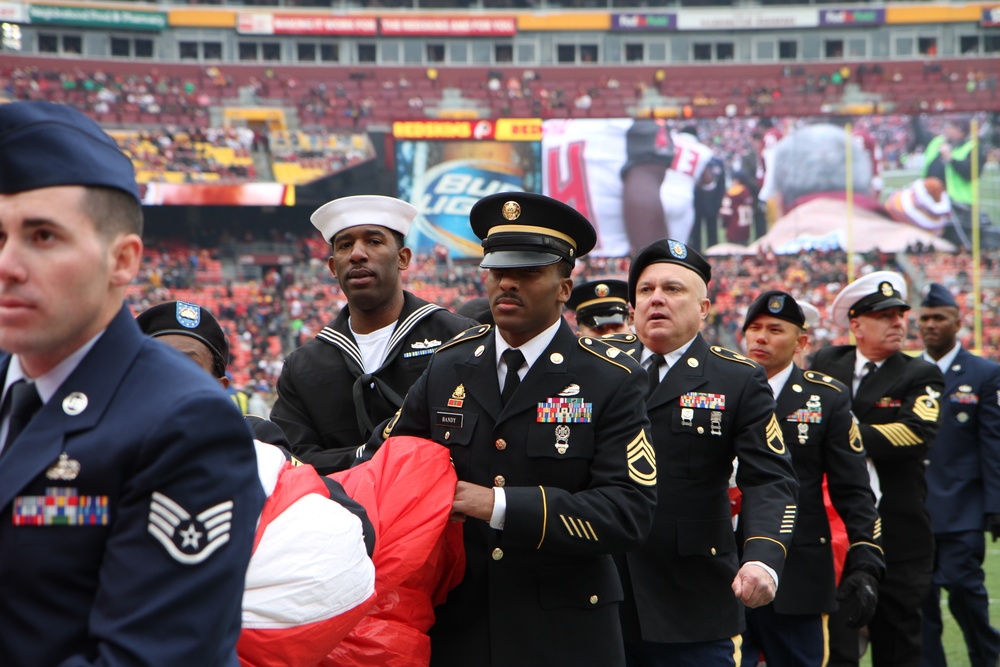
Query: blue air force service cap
point(778, 304)
point(938, 295)
point(186, 319)
point(519, 229)
point(666, 251)
point(871, 293)
point(600, 302)
point(44, 145)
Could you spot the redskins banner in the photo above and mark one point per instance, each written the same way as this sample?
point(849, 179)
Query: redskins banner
point(502, 129)
point(444, 26)
point(305, 24)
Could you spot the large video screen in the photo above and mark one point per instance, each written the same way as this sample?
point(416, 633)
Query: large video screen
point(782, 185)
point(444, 167)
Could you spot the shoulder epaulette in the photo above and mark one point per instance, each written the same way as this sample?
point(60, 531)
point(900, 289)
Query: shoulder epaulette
point(468, 334)
point(626, 342)
point(603, 350)
point(622, 337)
point(827, 380)
point(731, 356)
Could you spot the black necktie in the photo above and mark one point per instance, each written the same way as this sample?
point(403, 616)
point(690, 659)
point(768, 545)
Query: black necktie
point(653, 371)
point(24, 403)
point(514, 360)
point(870, 369)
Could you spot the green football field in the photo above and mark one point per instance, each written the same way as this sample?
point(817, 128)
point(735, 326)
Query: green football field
point(989, 189)
point(954, 645)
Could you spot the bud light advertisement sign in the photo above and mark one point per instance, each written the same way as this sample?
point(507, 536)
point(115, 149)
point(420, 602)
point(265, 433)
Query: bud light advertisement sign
point(444, 179)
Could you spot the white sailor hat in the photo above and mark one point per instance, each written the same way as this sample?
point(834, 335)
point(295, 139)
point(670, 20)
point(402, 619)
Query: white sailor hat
point(876, 291)
point(339, 214)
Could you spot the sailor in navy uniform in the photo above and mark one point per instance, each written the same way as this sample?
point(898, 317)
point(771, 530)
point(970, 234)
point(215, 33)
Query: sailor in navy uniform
point(334, 389)
point(128, 482)
point(814, 411)
point(963, 483)
point(601, 307)
point(897, 400)
point(550, 440)
point(687, 586)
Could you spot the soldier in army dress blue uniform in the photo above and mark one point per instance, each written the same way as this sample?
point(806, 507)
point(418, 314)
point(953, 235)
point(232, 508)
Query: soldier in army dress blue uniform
point(686, 588)
point(550, 440)
point(814, 411)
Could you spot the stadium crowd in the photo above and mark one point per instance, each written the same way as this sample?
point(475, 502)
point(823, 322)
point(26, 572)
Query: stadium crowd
point(268, 319)
point(354, 98)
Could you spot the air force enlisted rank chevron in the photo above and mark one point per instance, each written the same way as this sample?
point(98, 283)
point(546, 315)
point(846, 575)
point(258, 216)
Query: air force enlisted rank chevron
point(128, 482)
point(549, 436)
point(686, 587)
point(897, 400)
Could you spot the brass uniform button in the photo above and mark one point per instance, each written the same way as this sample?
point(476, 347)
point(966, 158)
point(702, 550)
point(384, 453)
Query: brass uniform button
point(713, 551)
point(447, 435)
point(593, 599)
point(497, 553)
point(822, 540)
point(499, 481)
point(501, 444)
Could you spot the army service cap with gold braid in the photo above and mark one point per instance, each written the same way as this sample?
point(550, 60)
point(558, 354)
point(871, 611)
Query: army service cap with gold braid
point(600, 302)
point(520, 229)
point(876, 291)
point(777, 304)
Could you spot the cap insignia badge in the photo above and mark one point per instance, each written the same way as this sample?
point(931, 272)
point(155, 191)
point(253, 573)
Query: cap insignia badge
point(602, 290)
point(678, 249)
point(776, 303)
point(511, 210)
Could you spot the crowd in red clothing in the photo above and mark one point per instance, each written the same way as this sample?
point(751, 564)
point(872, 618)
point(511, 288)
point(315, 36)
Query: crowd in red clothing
point(268, 318)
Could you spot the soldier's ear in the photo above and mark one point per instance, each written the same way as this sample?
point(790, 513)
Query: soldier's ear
point(405, 255)
point(565, 288)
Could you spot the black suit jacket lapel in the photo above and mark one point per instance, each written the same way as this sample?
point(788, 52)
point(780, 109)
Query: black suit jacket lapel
point(479, 375)
point(879, 386)
point(789, 400)
point(687, 374)
point(547, 376)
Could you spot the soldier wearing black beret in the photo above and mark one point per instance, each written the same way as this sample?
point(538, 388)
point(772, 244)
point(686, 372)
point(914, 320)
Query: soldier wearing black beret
point(549, 437)
point(601, 307)
point(897, 400)
point(963, 482)
point(814, 412)
point(687, 586)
